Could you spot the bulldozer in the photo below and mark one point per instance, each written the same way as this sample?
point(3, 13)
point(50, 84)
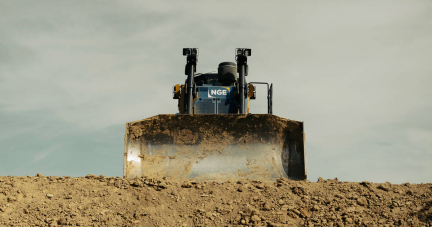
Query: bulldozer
point(214, 137)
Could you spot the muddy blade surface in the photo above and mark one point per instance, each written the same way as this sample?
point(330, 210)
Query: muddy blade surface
point(215, 147)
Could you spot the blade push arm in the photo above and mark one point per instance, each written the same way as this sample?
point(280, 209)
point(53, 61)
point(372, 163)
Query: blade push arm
point(242, 68)
point(190, 69)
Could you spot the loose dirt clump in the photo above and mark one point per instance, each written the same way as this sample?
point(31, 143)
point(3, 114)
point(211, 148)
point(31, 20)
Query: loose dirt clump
point(109, 201)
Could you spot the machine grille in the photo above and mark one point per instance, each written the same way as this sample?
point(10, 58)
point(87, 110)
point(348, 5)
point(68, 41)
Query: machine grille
point(205, 106)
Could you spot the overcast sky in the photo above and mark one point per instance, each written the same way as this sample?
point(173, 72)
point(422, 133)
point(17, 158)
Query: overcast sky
point(358, 73)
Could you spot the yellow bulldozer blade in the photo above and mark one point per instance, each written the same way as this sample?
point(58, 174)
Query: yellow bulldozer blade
point(220, 147)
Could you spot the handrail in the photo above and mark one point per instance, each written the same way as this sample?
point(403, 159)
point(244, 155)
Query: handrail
point(269, 96)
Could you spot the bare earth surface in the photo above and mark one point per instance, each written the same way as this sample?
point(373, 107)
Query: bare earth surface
point(108, 201)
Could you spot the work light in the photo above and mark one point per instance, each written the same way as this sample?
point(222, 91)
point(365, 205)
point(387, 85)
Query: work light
point(244, 51)
point(190, 51)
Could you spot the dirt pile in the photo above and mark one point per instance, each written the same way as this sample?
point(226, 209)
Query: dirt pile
point(108, 201)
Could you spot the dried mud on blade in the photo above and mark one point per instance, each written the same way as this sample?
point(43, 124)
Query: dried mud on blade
point(215, 147)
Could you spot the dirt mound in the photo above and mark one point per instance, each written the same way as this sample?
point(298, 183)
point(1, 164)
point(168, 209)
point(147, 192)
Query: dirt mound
point(107, 201)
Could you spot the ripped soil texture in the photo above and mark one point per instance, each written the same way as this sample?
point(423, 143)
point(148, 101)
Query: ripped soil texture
point(109, 201)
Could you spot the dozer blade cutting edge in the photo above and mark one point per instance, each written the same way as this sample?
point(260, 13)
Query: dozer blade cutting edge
point(208, 147)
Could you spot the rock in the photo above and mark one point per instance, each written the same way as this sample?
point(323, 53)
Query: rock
point(350, 209)
point(339, 224)
point(11, 199)
point(305, 212)
point(284, 207)
point(62, 221)
point(186, 184)
point(395, 210)
point(90, 176)
point(385, 187)
point(136, 184)
point(281, 202)
point(320, 180)
point(50, 195)
point(39, 175)
point(349, 220)
point(255, 218)
point(267, 206)
point(299, 191)
point(292, 214)
point(315, 208)
point(163, 185)
point(362, 201)
point(48, 220)
point(201, 211)
point(260, 186)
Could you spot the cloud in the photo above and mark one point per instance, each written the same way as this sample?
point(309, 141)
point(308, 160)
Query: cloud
point(42, 155)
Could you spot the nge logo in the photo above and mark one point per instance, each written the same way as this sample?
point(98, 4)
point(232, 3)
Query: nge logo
point(218, 92)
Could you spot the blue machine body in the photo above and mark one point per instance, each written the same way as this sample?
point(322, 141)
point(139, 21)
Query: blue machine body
point(216, 100)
